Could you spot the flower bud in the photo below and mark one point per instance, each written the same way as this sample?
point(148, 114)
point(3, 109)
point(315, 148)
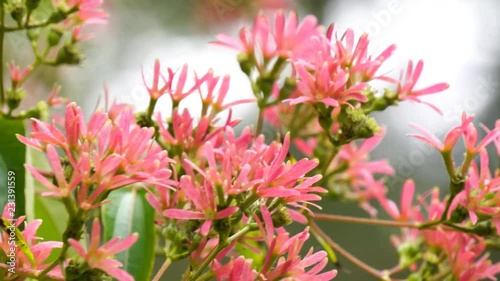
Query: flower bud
point(409, 253)
point(14, 97)
point(246, 63)
point(281, 217)
point(265, 84)
point(17, 12)
point(39, 111)
point(459, 214)
point(69, 54)
point(356, 125)
point(32, 4)
point(33, 34)
point(54, 36)
point(288, 88)
point(78, 270)
point(484, 228)
point(58, 15)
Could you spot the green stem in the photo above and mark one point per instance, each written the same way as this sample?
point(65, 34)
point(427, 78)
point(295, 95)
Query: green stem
point(260, 122)
point(249, 201)
point(448, 161)
point(162, 270)
point(329, 160)
point(207, 261)
point(465, 165)
point(381, 275)
point(42, 24)
point(218, 249)
point(151, 108)
point(339, 218)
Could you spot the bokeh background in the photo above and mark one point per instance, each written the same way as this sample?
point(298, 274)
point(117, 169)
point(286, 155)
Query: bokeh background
point(458, 40)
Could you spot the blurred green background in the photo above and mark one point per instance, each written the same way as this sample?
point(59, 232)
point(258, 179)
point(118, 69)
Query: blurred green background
point(458, 41)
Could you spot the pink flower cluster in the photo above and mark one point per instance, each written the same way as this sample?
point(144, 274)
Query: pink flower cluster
point(470, 215)
point(225, 178)
point(223, 196)
point(108, 152)
point(16, 253)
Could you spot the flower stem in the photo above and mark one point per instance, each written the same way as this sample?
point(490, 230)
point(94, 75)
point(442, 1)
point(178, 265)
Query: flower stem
point(330, 217)
point(329, 160)
point(162, 269)
point(207, 261)
point(382, 275)
point(260, 122)
point(218, 249)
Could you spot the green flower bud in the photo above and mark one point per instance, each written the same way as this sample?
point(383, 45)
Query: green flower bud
point(459, 214)
point(288, 88)
point(33, 34)
point(484, 228)
point(14, 97)
point(356, 125)
point(17, 12)
point(409, 253)
point(78, 270)
point(32, 4)
point(223, 226)
point(246, 63)
point(281, 217)
point(69, 54)
point(265, 84)
point(54, 36)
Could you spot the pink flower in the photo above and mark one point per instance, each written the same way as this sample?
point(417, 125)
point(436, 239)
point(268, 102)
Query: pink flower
point(470, 137)
point(465, 255)
point(285, 38)
point(362, 66)
point(87, 11)
point(16, 75)
point(450, 140)
point(481, 194)
point(353, 168)
point(465, 129)
point(406, 210)
point(54, 100)
point(108, 152)
point(326, 83)
point(101, 257)
point(237, 269)
point(214, 99)
point(40, 250)
point(497, 140)
point(76, 35)
point(405, 89)
point(203, 199)
point(293, 266)
point(155, 91)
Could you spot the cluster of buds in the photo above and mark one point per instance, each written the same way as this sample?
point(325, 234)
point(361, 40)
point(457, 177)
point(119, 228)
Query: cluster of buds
point(60, 26)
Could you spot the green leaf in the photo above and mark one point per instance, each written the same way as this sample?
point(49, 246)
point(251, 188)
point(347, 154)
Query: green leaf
point(12, 157)
point(127, 213)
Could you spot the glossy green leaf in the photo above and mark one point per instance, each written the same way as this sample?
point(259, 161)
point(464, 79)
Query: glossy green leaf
point(127, 213)
point(13, 155)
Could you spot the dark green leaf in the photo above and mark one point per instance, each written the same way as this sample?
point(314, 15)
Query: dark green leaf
point(127, 213)
point(13, 155)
